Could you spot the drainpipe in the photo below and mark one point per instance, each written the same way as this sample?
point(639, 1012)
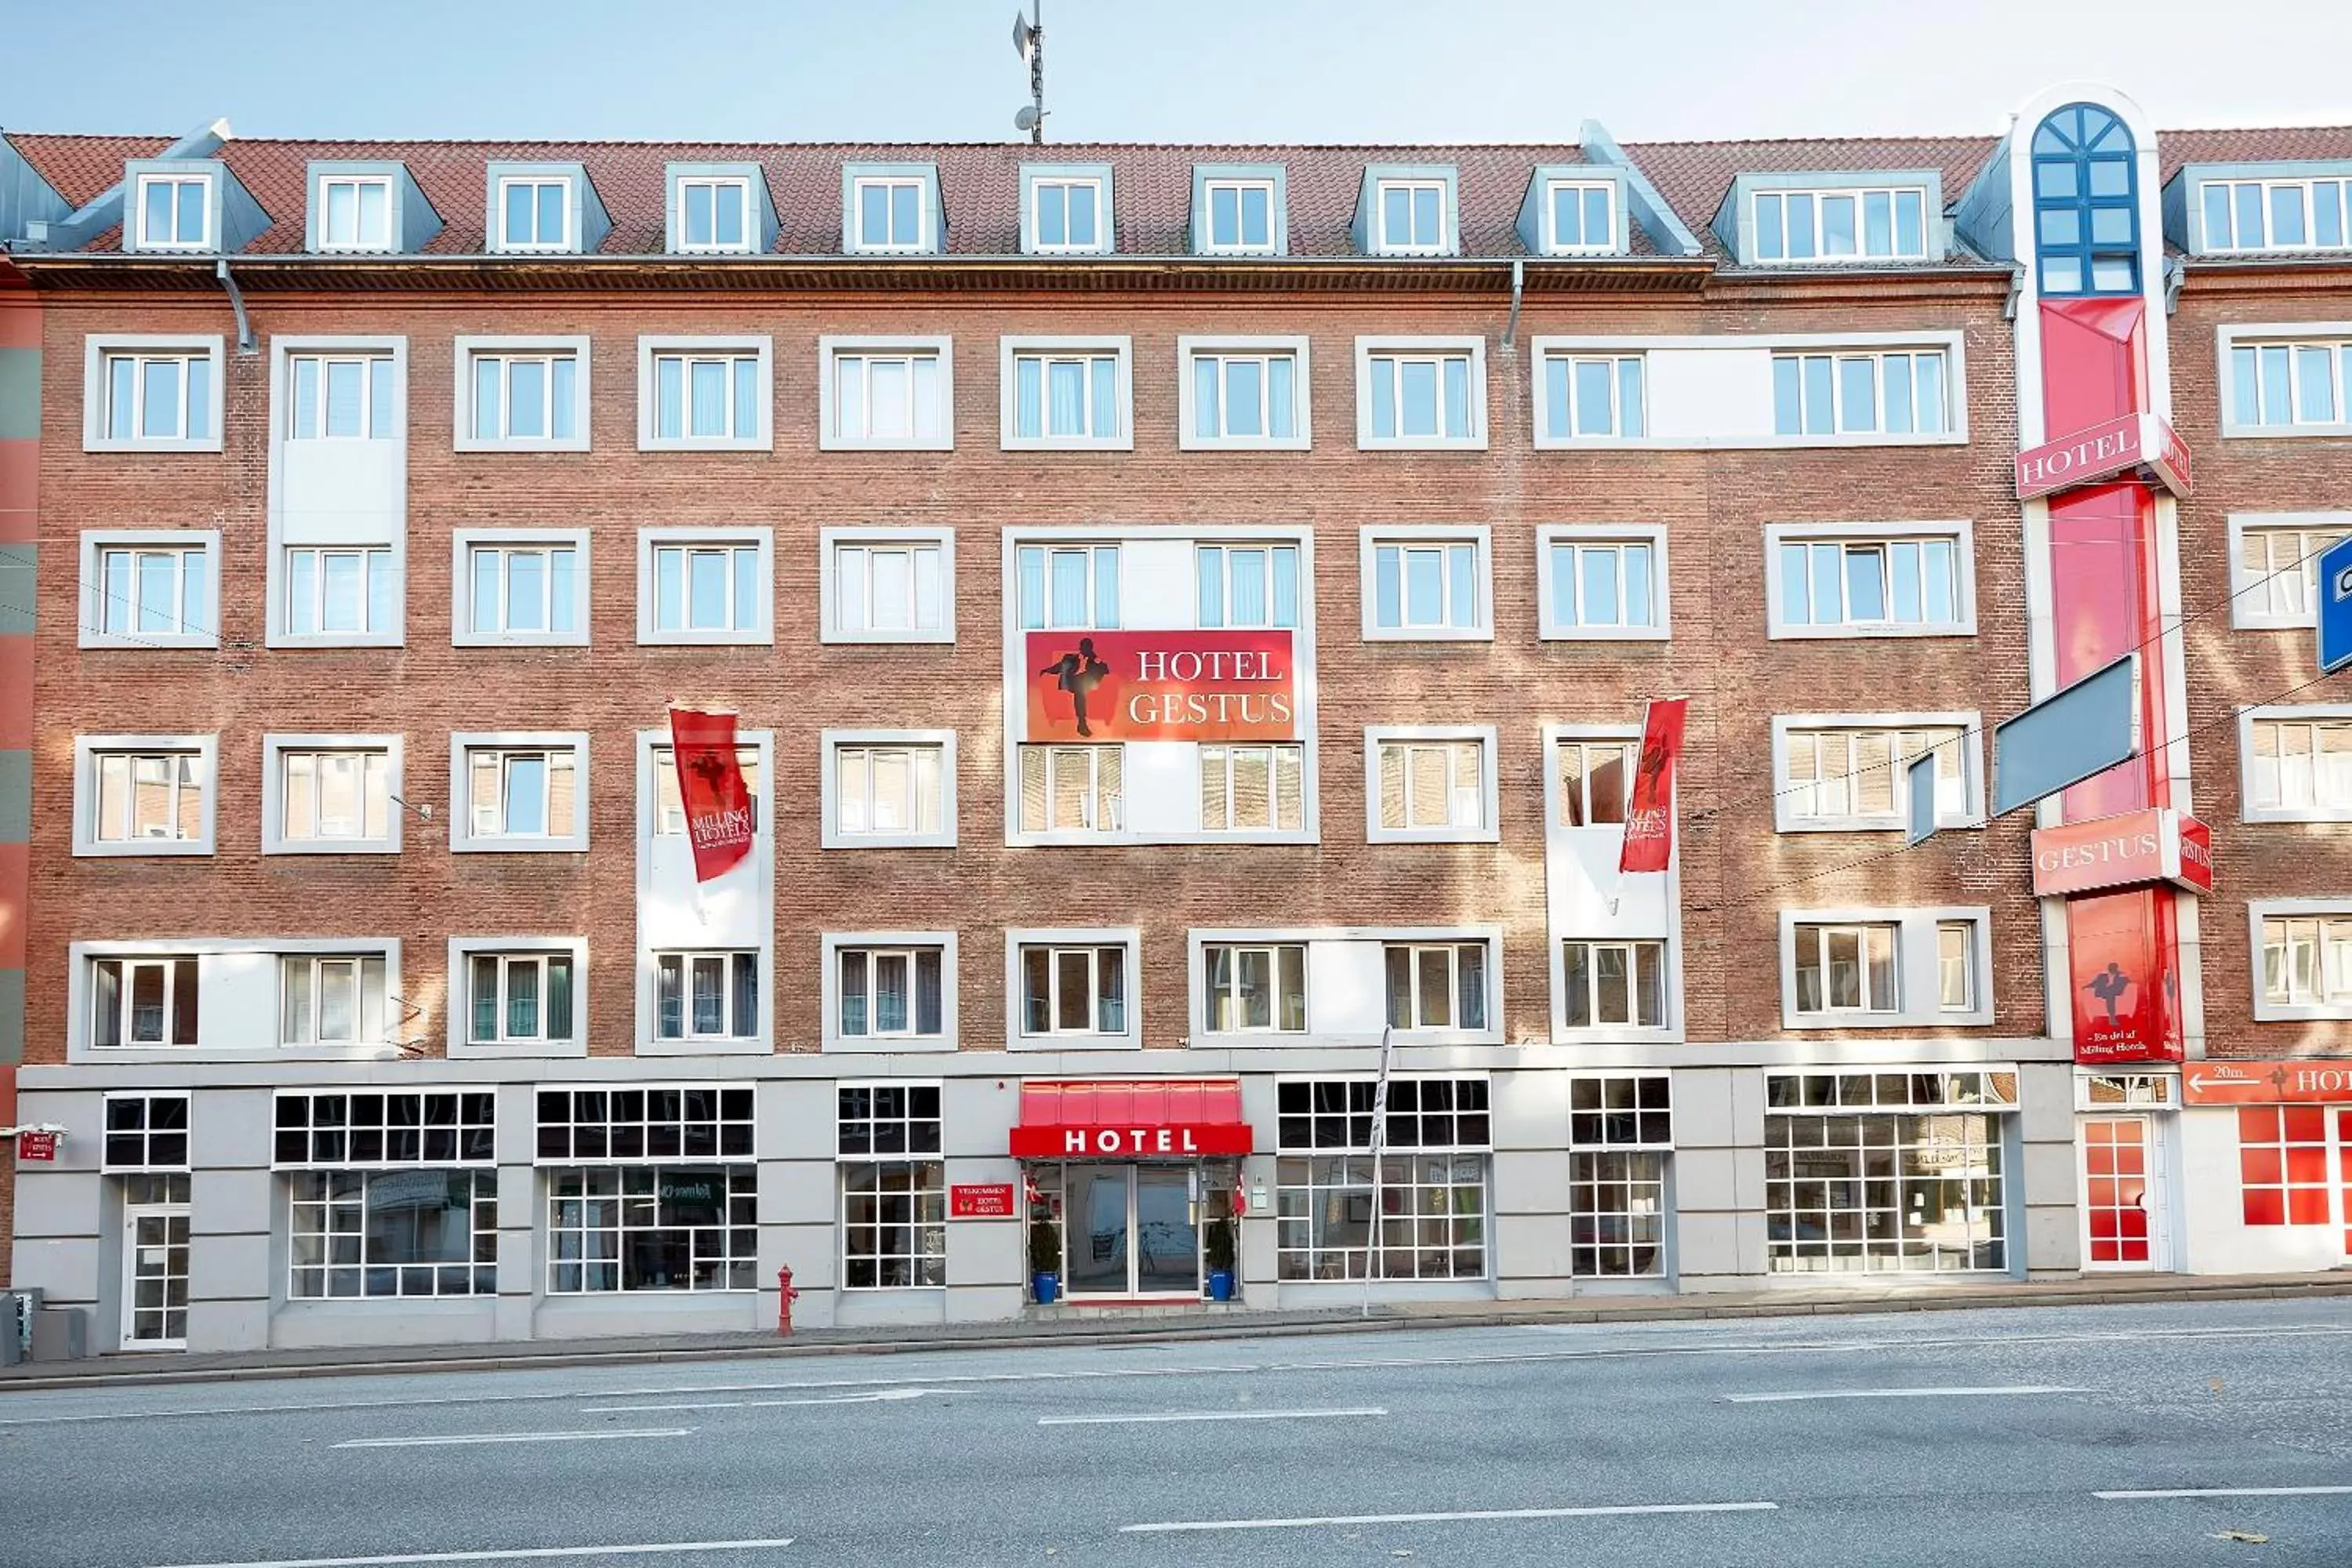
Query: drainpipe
point(1519, 285)
point(2175, 273)
point(246, 344)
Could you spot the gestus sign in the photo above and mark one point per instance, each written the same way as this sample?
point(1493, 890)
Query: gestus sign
point(2138, 846)
point(1160, 685)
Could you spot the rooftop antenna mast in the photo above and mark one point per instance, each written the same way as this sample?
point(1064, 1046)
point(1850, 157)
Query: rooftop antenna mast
point(1029, 43)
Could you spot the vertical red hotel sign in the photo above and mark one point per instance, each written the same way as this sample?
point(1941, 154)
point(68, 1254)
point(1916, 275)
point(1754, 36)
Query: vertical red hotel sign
point(710, 788)
point(1650, 816)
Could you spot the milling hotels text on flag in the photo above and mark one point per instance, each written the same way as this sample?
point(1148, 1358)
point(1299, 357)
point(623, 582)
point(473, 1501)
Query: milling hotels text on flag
point(711, 791)
point(1650, 811)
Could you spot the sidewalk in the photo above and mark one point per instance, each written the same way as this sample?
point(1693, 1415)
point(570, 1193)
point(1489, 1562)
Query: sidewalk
point(517, 1355)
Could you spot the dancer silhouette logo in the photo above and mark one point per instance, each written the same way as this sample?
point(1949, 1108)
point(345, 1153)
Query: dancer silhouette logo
point(1160, 685)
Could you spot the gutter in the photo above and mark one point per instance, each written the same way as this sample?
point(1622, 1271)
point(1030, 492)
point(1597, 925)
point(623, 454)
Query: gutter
point(246, 342)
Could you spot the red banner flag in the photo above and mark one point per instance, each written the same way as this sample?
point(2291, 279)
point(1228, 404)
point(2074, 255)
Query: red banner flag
point(1650, 816)
point(710, 787)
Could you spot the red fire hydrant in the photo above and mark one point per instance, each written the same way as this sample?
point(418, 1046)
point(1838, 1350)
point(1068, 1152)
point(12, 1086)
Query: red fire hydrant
point(785, 1297)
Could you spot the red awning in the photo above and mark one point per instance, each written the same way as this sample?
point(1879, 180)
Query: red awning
point(1130, 1118)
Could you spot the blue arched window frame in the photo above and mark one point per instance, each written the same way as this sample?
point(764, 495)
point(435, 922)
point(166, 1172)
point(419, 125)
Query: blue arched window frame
point(2086, 204)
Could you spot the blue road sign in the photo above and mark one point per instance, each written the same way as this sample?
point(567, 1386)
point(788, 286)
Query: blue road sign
point(2336, 607)
point(1919, 793)
point(2067, 736)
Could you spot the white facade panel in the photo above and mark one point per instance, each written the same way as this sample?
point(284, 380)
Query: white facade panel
point(1719, 396)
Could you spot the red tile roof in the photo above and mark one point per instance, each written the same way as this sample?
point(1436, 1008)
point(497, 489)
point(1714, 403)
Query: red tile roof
point(82, 167)
point(1694, 176)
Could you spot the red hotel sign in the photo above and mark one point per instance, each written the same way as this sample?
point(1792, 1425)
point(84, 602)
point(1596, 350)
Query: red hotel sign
point(2119, 445)
point(36, 1146)
point(992, 1201)
point(1175, 1140)
point(1160, 685)
point(2124, 851)
point(2318, 1080)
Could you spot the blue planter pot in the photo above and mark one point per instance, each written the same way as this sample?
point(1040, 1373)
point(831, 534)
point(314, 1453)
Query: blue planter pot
point(1048, 1288)
point(1220, 1285)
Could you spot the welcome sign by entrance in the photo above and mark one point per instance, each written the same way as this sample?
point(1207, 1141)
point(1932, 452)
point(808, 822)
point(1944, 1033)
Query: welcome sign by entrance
point(1160, 685)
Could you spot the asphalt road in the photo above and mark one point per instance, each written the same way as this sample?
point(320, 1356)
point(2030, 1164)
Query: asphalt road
point(1986, 1438)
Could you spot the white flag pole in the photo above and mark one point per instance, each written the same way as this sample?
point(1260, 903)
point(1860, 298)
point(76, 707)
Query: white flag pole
point(1373, 1254)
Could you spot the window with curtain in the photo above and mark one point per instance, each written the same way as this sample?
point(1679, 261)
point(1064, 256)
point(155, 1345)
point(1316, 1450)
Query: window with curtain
point(706, 396)
point(1072, 587)
point(1068, 397)
point(1246, 585)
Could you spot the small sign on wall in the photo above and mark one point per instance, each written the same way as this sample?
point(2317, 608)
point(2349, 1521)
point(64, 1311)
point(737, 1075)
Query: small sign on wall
point(988, 1201)
point(36, 1146)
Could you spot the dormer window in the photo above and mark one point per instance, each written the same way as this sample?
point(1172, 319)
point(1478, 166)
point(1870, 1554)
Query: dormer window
point(1066, 210)
point(1411, 214)
point(714, 213)
point(1841, 224)
point(354, 213)
point(534, 213)
point(1583, 216)
point(1241, 217)
point(174, 212)
point(2277, 215)
point(888, 214)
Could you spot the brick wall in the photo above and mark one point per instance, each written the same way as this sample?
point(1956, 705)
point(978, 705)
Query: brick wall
point(1737, 873)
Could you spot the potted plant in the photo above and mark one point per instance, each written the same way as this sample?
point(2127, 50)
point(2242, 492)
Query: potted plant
point(1219, 1243)
point(1045, 1260)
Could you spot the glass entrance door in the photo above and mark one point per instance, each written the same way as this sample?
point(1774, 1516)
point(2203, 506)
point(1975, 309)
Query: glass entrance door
point(156, 1263)
point(1129, 1230)
point(2121, 1197)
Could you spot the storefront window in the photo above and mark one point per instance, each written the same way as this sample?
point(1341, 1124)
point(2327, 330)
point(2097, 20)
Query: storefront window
point(1865, 1172)
point(1620, 1135)
point(652, 1227)
point(2283, 1163)
point(392, 1232)
point(893, 1210)
point(1430, 1180)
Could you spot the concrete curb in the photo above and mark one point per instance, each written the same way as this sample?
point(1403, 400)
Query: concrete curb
point(1176, 1332)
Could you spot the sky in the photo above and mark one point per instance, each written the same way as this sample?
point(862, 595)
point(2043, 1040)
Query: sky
point(1178, 70)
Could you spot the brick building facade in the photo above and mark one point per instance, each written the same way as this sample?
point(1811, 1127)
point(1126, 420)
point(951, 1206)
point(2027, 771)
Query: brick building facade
point(442, 471)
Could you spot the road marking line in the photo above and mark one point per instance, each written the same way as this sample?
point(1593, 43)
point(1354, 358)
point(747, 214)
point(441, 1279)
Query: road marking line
point(512, 1554)
point(1205, 1415)
point(1898, 1393)
point(2224, 1491)
point(460, 1439)
point(879, 1396)
point(1207, 1524)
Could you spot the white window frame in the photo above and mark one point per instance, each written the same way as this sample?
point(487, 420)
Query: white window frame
point(741, 184)
point(462, 542)
point(2270, 245)
point(218, 1040)
point(1491, 936)
point(1540, 394)
point(458, 999)
point(1917, 968)
point(201, 542)
point(1960, 532)
point(311, 962)
point(688, 1043)
point(927, 219)
point(89, 749)
point(2249, 334)
point(1189, 348)
point(1623, 737)
point(1488, 830)
point(386, 459)
point(328, 245)
point(2258, 911)
point(1970, 724)
point(98, 347)
point(1369, 348)
point(1010, 350)
point(386, 556)
point(1374, 540)
point(1210, 185)
point(274, 748)
point(2245, 585)
point(1376, 224)
point(1583, 534)
point(829, 744)
point(832, 541)
point(500, 244)
point(1034, 178)
point(1198, 944)
point(761, 541)
point(1929, 215)
point(653, 347)
point(1018, 938)
point(831, 348)
point(1551, 211)
point(1839, 434)
point(462, 837)
point(135, 210)
point(468, 348)
point(832, 944)
point(2299, 713)
point(1669, 1024)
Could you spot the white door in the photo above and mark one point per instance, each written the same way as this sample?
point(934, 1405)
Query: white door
point(2123, 1192)
point(155, 1266)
